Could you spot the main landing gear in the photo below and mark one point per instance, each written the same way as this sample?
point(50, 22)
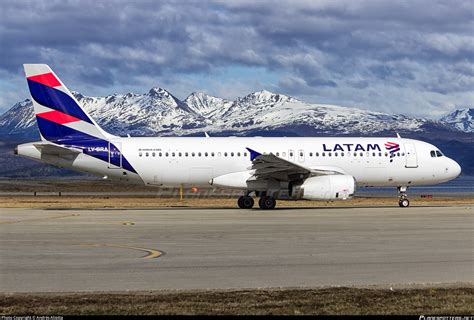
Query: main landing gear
point(245, 202)
point(265, 202)
point(403, 202)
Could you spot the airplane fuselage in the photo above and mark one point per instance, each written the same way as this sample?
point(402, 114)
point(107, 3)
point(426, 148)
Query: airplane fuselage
point(194, 161)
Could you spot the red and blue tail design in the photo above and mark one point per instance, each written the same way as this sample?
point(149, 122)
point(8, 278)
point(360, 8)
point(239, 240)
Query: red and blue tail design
point(61, 120)
point(59, 116)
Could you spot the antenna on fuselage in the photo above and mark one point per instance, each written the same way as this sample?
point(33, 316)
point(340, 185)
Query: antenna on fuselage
point(398, 135)
point(207, 135)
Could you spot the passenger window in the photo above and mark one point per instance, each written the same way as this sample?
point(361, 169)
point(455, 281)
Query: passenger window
point(335, 154)
point(225, 154)
point(199, 154)
point(380, 154)
point(323, 154)
point(152, 154)
point(373, 154)
point(245, 154)
point(278, 154)
point(146, 154)
point(291, 154)
point(180, 154)
point(342, 154)
point(160, 154)
point(301, 154)
point(386, 154)
point(212, 154)
point(433, 154)
point(317, 154)
point(231, 154)
point(355, 154)
point(173, 154)
point(310, 154)
point(193, 154)
point(238, 154)
point(205, 154)
point(140, 154)
point(186, 154)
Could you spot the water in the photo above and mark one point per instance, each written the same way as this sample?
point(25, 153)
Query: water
point(461, 186)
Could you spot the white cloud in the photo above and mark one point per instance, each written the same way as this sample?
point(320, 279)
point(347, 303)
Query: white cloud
point(413, 57)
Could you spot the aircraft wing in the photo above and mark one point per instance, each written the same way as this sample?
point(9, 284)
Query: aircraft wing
point(56, 149)
point(267, 166)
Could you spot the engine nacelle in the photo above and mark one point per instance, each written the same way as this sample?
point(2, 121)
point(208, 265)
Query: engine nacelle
point(234, 180)
point(327, 187)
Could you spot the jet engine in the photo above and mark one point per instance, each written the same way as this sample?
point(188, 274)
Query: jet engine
point(326, 187)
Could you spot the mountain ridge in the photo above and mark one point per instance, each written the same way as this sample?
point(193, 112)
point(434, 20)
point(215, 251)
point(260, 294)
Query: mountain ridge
point(158, 112)
point(460, 119)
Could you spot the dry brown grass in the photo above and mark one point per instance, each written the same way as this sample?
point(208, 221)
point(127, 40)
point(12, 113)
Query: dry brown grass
point(97, 202)
point(326, 301)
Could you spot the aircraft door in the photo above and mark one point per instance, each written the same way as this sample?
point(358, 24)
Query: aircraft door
point(115, 155)
point(410, 156)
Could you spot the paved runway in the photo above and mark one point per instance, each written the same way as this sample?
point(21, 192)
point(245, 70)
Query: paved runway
point(185, 248)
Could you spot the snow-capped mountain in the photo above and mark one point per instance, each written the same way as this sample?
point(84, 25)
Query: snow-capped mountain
point(461, 119)
point(18, 119)
point(206, 105)
point(158, 112)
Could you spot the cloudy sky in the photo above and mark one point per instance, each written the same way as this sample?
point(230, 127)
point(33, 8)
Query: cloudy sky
point(412, 57)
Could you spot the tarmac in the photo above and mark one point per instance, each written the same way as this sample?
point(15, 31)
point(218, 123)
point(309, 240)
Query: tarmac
point(106, 250)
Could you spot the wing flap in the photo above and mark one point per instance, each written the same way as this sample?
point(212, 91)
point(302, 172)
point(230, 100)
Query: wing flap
point(268, 166)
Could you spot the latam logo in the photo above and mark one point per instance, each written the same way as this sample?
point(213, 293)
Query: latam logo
point(392, 147)
point(351, 147)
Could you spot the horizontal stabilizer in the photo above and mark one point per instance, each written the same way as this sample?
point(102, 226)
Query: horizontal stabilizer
point(55, 149)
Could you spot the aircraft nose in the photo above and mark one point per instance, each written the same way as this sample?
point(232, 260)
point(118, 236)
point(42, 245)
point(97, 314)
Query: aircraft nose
point(454, 169)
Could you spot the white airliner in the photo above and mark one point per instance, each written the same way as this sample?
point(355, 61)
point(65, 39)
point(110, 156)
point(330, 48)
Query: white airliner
point(269, 168)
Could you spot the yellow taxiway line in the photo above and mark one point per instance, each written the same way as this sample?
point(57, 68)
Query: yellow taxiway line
point(152, 253)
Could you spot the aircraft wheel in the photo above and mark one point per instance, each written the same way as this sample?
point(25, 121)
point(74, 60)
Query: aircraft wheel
point(404, 203)
point(245, 202)
point(240, 202)
point(267, 203)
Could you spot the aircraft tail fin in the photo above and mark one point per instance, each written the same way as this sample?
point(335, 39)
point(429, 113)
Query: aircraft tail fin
point(60, 117)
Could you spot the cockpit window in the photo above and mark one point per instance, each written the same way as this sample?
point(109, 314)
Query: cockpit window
point(436, 153)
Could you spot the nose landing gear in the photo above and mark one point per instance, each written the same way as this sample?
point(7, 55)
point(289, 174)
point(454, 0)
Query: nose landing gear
point(403, 202)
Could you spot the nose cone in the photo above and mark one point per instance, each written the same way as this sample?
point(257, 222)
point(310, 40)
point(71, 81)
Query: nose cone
point(456, 170)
